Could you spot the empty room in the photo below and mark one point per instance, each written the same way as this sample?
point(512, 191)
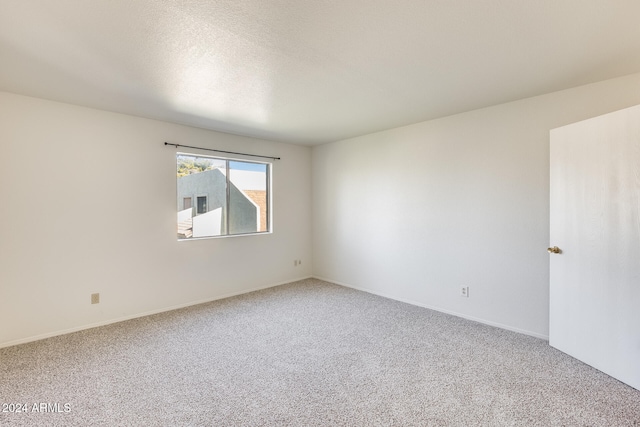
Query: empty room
point(319, 213)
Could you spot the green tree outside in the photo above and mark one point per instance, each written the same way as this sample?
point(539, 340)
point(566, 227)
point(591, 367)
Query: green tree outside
point(188, 165)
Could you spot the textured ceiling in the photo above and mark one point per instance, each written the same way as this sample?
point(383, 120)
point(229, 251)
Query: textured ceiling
point(310, 72)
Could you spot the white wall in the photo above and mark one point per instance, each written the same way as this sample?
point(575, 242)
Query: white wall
point(58, 161)
point(411, 213)
point(416, 212)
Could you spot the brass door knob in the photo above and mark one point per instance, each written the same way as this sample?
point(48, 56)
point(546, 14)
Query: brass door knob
point(554, 250)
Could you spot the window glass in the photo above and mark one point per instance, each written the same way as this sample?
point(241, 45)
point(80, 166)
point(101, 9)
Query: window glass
point(248, 207)
point(231, 196)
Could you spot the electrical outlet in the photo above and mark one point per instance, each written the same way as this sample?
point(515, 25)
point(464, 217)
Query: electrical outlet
point(95, 298)
point(464, 291)
point(297, 262)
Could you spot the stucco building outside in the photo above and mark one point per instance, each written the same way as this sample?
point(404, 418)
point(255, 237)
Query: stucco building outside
point(201, 203)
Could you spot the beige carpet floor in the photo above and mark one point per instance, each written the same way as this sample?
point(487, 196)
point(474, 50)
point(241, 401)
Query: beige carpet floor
point(305, 354)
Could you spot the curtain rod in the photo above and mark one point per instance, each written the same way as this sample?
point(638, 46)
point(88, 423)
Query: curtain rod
point(221, 151)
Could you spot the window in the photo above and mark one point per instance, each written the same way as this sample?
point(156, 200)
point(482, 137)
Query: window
point(186, 203)
point(231, 196)
point(202, 205)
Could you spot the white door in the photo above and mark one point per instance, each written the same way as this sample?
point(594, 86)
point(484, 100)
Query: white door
point(595, 223)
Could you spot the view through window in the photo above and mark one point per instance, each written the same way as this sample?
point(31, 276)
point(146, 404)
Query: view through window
point(221, 197)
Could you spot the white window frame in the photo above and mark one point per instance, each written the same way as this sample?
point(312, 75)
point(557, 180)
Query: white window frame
point(225, 225)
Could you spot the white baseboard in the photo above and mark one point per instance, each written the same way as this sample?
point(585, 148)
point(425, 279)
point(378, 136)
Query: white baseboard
point(441, 310)
point(143, 314)
point(232, 294)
